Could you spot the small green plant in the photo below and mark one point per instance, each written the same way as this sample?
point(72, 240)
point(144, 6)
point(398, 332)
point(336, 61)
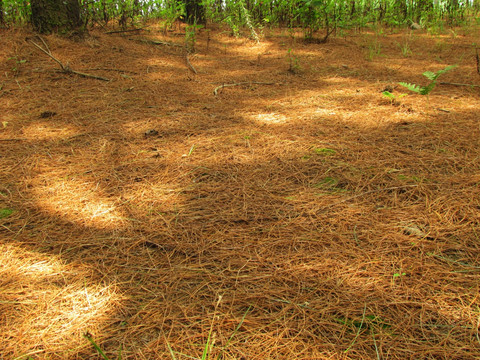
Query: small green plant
point(392, 97)
point(374, 49)
point(328, 185)
point(327, 182)
point(426, 90)
point(207, 349)
point(405, 48)
point(294, 66)
point(18, 63)
point(173, 12)
point(191, 37)
point(89, 337)
point(5, 213)
point(397, 276)
point(234, 29)
point(324, 151)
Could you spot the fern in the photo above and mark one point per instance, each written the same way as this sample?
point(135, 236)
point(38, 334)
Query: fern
point(412, 87)
point(425, 90)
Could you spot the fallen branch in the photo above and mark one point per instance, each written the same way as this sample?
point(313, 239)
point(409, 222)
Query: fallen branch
point(478, 61)
point(118, 70)
point(156, 42)
point(65, 68)
point(215, 92)
point(457, 84)
point(190, 65)
point(124, 31)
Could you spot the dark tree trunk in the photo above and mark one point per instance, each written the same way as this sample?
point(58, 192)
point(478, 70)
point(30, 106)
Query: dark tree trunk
point(2, 20)
point(195, 12)
point(55, 15)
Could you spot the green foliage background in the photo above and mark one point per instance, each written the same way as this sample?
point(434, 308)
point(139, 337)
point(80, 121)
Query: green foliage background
point(311, 15)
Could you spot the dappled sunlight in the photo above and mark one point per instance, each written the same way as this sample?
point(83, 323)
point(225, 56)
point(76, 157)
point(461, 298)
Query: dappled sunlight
point(47, 305)
point(274, 175)
point(270, 118)
point(35, 265)
point(40, 130)
point(79, 202)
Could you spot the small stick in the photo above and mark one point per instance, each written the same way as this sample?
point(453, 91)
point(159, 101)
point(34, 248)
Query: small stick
point(478, 61)
point(124, 31)
point(65, 68)
point(189, 64)
point(47, 51)
point(457, 84)
point(156, 42)
point(119, 70)
point(215, 92)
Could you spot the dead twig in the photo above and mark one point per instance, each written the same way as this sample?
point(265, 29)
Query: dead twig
point(65, 68)
point(190, 65)
point(156, 42)
point(215, 92)
point(124, 31)
point(458, 84)
point(478, 61)
point(118, 70)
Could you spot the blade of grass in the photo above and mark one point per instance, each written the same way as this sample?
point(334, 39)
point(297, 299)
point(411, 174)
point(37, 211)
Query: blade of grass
point(171, 350)
point(359, 329)
point(88, 336)
point(375, 344)
point(234, 332)
point(207, 346)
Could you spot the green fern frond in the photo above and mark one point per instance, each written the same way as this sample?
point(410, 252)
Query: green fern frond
point(412, 87)
point(388, 94)
point(448, 68)
point(425, 90)
point(434, 76)
point(431, 75)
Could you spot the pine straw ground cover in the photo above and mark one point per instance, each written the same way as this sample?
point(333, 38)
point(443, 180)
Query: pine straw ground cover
point(307, 218)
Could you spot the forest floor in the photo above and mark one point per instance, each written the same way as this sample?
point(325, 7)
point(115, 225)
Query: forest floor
point(298, 214)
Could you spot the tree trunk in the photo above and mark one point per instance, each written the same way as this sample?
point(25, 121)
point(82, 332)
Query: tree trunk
point(195, 12)
point(55, 15)
point(2, 20)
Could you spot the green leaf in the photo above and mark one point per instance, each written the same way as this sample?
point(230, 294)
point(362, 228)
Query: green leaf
point(324, 151)
point(327, 182)
point(389, 95)
point(89, 337)
point(430, 75)
point(448, 68)
point(5, 213)
point(412, 87)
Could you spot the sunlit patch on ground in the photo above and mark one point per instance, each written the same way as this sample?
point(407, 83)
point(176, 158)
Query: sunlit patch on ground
point(47, 305)
point(80, 202)
point(43, 131)
point(271, 118)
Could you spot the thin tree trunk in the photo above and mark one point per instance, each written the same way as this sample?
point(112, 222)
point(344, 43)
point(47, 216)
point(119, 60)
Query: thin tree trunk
point(2, 20)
